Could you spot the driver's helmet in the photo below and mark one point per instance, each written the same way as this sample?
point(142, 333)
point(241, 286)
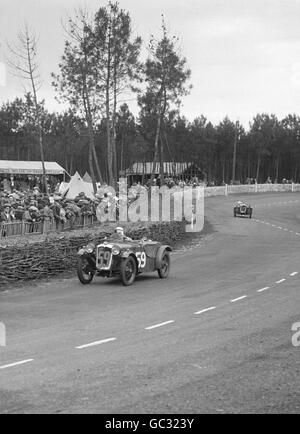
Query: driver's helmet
point(119, 230)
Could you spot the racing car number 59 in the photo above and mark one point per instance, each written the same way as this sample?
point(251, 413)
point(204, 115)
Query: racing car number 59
point(141, 257)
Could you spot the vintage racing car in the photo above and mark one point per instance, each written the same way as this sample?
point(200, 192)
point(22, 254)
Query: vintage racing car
point(125, 259)
point(242, 209)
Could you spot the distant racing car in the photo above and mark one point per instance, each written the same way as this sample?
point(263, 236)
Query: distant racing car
point(242, 209)
point(125, 259)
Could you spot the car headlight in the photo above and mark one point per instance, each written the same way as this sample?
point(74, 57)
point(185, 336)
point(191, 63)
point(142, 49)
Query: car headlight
point(125, 254)
point(115, 250)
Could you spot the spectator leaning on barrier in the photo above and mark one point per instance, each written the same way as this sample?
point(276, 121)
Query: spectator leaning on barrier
point(62, 214)
point(6, 214)
point(70, 213)
point(19, 212)
point(31, 217)
point(47, 217)
point(6, 217)
point(55, 207)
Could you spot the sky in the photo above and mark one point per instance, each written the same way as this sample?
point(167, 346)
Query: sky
point(244, 55)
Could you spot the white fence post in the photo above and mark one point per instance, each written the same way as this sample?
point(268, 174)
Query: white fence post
point(2, 335)
point(226, 189)
point(256, 188)
point(292, 187)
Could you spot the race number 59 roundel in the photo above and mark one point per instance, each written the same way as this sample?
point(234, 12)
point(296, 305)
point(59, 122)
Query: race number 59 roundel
point(141, 258)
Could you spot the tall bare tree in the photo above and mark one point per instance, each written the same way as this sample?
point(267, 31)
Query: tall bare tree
point(23, 63)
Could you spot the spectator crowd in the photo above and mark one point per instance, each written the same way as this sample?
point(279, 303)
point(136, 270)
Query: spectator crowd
point(33, 207)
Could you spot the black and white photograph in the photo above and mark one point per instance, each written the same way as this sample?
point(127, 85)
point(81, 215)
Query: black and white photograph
point(149, 210)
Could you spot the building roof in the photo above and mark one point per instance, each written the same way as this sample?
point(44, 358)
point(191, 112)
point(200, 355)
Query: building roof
point(30, 167)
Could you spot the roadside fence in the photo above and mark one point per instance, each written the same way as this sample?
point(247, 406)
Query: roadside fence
point(20, 228)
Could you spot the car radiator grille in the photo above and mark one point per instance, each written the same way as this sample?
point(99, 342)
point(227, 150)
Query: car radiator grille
point(104, 257)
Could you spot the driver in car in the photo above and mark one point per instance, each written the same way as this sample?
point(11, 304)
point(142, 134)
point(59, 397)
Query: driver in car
point(119, 235)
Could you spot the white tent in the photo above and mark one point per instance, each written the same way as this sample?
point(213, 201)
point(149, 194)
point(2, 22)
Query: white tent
point(77, 186)
point(87, 178)
point(63, 187)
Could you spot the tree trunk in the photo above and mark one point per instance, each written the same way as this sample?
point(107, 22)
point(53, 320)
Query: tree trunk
point(122, 151)
point(258, 167)
point(143, 173)
point(71, 163)
point(115, 158)
point(248, 167)
point(156, 147)
point(92, 148)
point(37, 114)
point(90, 157)
point(162, 181)
point(96, 161)
point(234, 154)
point(114, 134)
point(277, 169)
point(108, 126)
point(91, 137)
point(109, 151)
point(44, 182)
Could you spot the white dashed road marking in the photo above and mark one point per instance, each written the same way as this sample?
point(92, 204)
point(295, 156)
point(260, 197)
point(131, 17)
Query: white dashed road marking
point(263, 289)
point(94, 344)
point(205, 310)
point(294, 274)
point(11, 365)
point(276, 227)
point(159, 325)
point(278, 203)
point(280, 281)
point(238, 299)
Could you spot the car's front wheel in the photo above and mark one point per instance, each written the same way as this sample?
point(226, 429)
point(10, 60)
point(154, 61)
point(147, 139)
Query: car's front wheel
point(84, 271)
point(164, 269)
point(128, 271)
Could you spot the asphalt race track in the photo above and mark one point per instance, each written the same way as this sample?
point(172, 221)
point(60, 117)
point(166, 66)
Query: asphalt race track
point(215, 337)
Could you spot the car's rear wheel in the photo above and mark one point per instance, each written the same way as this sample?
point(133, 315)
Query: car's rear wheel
point(164, 269)
point(84, 271)
point(128, 271)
